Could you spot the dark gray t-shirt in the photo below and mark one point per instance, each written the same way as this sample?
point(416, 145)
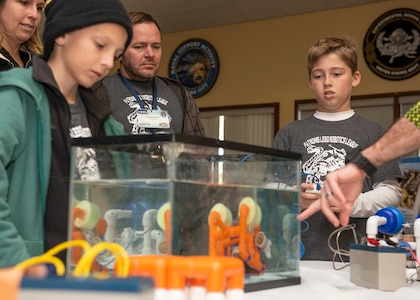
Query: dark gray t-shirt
point(124, 105)
point(324, 146)
point(86, 163)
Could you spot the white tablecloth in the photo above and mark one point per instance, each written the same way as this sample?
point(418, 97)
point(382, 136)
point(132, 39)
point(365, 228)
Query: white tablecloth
point(319, 280)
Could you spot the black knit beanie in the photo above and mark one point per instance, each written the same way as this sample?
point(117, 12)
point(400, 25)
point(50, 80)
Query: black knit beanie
point(63, 16)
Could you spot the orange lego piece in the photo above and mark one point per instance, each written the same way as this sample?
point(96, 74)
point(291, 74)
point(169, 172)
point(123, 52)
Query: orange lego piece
point(223, 237)
point(175, 273)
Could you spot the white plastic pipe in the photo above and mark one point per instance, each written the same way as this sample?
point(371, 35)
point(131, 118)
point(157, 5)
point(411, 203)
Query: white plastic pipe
point(235, 294)
point(111, 217)
point(176, 294)
point(417, 228)
point(160, 293)
point(372, 225)
point(149, 222)
point(417, 235)
point(197, 292)
point(214, 296)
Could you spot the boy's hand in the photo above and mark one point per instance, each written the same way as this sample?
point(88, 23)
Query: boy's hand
point(308, 195)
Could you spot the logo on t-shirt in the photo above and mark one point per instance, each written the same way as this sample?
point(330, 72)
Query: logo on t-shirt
point(86, 164)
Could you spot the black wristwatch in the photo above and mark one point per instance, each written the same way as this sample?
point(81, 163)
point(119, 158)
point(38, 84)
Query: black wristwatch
point(357, 158)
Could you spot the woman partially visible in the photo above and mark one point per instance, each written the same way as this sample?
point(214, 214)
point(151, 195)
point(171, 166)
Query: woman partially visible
point(19, 39)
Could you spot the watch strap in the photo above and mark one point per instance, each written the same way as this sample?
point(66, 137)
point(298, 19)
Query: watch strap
point(362, 162)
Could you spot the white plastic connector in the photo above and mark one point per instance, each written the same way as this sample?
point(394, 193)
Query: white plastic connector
point(111, 217)
point(416, 226)
point(126, 238)
point(159, 237)
point(235, 294)
point(149, 218)
point(149, 222)
point(372, 225)
point(197, 292)
point(315, 190)
point(263, 243)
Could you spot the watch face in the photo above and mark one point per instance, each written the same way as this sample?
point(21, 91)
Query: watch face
point(195, 65)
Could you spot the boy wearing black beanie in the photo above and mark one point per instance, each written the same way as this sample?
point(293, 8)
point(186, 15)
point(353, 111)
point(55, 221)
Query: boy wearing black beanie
point(42, 109)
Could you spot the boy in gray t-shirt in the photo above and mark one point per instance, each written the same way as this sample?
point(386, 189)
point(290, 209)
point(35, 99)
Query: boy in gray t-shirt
point(327, 137)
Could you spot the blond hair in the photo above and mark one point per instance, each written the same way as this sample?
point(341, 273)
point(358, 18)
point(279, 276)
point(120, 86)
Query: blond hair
point(33, 45)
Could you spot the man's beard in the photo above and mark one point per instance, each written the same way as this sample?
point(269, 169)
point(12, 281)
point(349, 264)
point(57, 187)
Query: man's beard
point(134, 74)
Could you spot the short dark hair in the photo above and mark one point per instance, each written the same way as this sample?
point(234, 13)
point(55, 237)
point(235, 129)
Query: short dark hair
point(142, 17)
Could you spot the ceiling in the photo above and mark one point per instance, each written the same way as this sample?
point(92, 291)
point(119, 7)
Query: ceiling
point(183, 15)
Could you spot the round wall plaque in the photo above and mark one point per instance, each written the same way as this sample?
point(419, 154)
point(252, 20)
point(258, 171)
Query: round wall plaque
point(195, 65)
point(392, 44)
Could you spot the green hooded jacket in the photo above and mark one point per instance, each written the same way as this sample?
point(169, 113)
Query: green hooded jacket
point(25, 158)
point(24, 165)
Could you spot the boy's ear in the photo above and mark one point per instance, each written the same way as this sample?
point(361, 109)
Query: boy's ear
point(357, 77)
point(59, 40)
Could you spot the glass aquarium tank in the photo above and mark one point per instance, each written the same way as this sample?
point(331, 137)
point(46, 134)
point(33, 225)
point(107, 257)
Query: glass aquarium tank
point(184, 195)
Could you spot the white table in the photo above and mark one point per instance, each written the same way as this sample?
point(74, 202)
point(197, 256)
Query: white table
point(319, 280)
